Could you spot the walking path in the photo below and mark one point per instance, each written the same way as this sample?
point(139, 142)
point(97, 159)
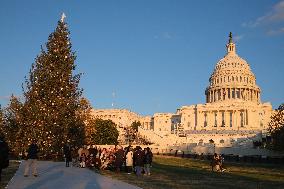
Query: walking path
point(53, 175)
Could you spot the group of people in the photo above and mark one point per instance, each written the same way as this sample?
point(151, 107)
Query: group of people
point(115, 158)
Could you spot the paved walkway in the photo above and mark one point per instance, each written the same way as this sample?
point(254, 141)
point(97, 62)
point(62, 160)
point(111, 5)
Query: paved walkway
point(53, 175)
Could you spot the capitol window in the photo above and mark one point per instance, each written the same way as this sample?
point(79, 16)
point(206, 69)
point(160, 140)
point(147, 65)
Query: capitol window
point(231, 119)
point(238, 93)
point(223, 119)
point(242, 119)
point(205, 119)
point(229, 94)
point(233, 93)
point(215, 124)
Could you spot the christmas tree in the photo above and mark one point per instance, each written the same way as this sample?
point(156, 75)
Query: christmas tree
point(52, 95)
point(13, 127)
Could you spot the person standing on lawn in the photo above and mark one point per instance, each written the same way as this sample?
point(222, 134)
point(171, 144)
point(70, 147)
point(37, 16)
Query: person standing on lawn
point(148, 161)
point(129, 160)
point(119, 158)
point(138, 158)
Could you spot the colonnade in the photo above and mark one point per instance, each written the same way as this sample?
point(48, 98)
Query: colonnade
point(232, 93)
point(229, 119)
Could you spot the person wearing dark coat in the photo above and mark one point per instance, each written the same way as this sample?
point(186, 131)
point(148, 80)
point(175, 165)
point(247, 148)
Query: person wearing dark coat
point(138, 158)
point(148, 161)
point(32, 159)
point(119, 159)
point(67, 154)
point(4, 154)
point(93, 150)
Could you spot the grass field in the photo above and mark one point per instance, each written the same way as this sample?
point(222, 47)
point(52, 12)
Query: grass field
point(8, 173)
point(172, 172)
point(175, 173)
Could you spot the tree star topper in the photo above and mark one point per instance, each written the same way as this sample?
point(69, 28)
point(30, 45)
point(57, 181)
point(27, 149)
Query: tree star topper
point(63, 16)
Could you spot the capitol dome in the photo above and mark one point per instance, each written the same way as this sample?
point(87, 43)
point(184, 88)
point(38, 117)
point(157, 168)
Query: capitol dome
point(232, 79)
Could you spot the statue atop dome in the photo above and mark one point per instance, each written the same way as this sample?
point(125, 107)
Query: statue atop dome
point(230, 38)
point(231, 46)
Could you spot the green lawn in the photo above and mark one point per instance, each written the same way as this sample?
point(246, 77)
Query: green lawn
point(172, 172)
point(8, 173)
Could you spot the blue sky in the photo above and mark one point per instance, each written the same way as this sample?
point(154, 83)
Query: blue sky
point(146, 55)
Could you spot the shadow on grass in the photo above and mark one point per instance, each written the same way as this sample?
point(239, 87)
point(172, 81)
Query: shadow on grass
point(205, 178)
point(197, 174)
point(8, 173)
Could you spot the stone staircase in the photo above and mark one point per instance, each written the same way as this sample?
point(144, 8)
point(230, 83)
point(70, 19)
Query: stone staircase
point(158, 139)
point(247, 142)
point(151, 136)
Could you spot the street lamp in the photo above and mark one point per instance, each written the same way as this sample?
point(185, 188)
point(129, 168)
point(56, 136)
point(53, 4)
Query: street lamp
point(212, 142)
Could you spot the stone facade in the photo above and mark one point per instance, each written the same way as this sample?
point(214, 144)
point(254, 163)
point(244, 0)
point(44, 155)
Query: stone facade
point(121, 117)
point(147, 122)
point(233, 112)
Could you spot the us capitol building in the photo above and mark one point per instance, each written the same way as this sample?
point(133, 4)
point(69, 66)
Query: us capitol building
point(233, 114)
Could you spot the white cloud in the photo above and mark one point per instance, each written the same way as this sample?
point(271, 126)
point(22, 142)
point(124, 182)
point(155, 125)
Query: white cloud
point(164, 35)
point(238, 38)
point(278, 12)
point(274, 15)
point(167, 35)
point(275, 31)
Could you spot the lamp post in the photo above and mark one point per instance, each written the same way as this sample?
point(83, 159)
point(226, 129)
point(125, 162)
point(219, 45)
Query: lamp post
point(212, 142)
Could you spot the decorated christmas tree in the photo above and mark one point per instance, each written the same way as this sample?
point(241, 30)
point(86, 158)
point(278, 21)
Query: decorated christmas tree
point(14, 127)
point(52, 95)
